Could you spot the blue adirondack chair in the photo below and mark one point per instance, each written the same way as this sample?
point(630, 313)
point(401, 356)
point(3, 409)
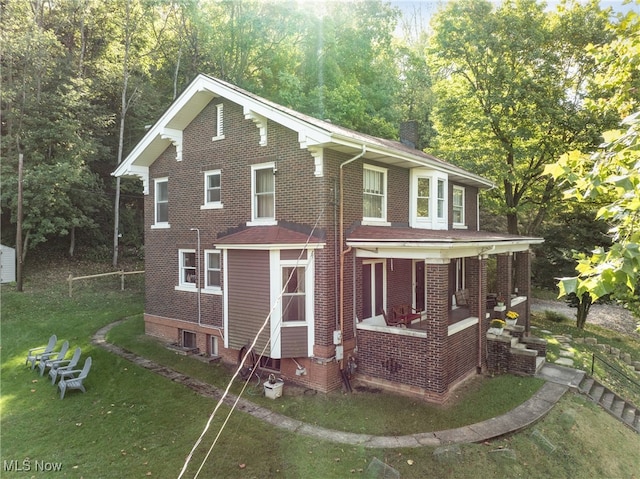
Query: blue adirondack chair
point(46, 362)
point(60, 365)
point(35, 354)
point(74, 379)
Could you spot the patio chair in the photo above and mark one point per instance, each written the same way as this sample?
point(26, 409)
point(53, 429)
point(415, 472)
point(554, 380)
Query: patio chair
point(64, 365)
point(34, 354)
point(74, 379)
point(45, 362)
point(391, 319)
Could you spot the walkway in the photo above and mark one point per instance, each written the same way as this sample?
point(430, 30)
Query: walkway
point(559, 380)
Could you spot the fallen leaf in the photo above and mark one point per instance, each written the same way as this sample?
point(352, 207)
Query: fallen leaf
point(410, 462)
point(242, 466)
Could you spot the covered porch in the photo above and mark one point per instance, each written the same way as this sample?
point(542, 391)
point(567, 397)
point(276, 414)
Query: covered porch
point(441, 279)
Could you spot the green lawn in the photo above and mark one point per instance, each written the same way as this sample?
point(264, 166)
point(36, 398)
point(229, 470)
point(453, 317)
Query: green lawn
point(134, 423)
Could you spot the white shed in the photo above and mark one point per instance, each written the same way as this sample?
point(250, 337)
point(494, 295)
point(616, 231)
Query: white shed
point(7, 264)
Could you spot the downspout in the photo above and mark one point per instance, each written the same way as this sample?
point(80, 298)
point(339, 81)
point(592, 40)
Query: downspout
point(343, 252)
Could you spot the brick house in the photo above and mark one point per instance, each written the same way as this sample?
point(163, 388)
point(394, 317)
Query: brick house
point(262, 219)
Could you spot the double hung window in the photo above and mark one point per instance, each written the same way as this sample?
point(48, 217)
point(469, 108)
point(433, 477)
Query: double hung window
point(263, 189)
point(161, 203)
point(374, 193)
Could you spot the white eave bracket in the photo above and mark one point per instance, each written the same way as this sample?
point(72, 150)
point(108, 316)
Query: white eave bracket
point(141, 172)
point(261, 123)
point(175, 137)
point(318, 156)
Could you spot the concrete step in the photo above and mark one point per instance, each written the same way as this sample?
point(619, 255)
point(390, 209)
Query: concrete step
point(629, 415)
point(617, 407)
point(585, 385)
point(607, 399)
point(540, 362)
point(596, 392)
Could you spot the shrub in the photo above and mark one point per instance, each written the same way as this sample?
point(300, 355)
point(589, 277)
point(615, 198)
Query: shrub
point(554, 316)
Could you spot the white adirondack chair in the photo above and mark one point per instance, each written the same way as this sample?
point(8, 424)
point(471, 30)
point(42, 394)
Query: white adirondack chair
point(60, 365)
point(46, 362)
point(35, 354)
point(74, 379)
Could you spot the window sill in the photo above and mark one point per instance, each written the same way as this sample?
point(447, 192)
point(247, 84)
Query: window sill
point(216, 138)
point(211, 206)
point(460, 227)
point(216, 291)
point(269, 222)
point(190, 289)
point(160, 226)
point(374, 222)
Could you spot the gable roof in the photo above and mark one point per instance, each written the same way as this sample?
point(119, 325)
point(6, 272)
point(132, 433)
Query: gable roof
point(313, 134)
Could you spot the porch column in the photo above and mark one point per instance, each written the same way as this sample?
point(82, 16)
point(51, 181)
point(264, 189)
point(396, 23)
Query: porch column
point(437, 312)
point(477, 285)
point(504, 280)
point(523, 282)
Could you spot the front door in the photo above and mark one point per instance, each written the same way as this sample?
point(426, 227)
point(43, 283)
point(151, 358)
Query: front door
point(373, 288)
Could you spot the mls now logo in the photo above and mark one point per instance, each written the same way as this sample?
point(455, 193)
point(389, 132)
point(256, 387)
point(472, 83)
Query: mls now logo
point(28, 465)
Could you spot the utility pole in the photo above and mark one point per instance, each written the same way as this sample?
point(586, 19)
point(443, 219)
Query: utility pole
point(19, 228)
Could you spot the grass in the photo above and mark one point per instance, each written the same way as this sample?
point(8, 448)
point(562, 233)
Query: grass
point(583, 353)
point(133, 423)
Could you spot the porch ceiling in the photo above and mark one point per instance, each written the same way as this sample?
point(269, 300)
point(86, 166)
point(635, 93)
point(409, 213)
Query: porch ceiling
point(432, 245)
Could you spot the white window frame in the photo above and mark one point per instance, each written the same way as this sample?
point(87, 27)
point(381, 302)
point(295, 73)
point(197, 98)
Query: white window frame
point(276, 265)
point(182, 284)
point(460, 208)
point(159, 224)
point(219, 125)
point(441, 198)
point(255, 221)
point(383, 218)
point(208, 288)
point(417, 197)
point(211, 204)
point(371, 264)
point(438, 200)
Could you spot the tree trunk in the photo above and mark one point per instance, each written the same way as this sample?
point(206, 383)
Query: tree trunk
point(72, 241)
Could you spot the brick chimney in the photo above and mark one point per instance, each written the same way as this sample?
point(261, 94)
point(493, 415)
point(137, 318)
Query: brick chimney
point(409, 133)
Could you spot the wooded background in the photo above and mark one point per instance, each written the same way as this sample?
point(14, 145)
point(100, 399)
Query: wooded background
point(501, 90)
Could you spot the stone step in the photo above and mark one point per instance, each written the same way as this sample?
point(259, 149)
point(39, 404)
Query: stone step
point(585, 385)
point(596, 392)
point(629, 415)
point(607, 399)
point(617, 406)
point(540, 362)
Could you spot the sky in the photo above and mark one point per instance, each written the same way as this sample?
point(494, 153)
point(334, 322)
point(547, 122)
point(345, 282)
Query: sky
point(420, 11)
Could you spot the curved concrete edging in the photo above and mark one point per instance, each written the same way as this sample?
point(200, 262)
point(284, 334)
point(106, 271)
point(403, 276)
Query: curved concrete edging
point(522, 416)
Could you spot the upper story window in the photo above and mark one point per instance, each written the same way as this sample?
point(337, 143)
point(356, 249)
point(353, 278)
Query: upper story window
point(212, 189)
point(458, 205)
point(428, 199)
point(442, 195)
point(263, 192)
point(423, 197)
point(374, 193)
point(219, 126)
point(161, 200)
point(187, 266)
point(213, 269)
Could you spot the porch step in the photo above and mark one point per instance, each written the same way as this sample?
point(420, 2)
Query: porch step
point(618, 407)
point(540, 362)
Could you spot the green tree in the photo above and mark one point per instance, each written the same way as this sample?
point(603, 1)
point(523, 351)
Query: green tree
point(510, 95)
point(610, 175)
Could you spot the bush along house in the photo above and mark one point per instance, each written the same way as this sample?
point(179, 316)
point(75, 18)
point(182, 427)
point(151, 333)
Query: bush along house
point(352, 256)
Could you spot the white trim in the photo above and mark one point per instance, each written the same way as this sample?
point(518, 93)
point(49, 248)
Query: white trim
point(372, 262)
point(385, 193)
point(156, 223)
point(225, 297)
point(461, 325)
point(433, 221)
point(208, 288)
point(255, 221)
point(219, 123)
point(184, 285)
point(211, 204)
point(459, 224)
